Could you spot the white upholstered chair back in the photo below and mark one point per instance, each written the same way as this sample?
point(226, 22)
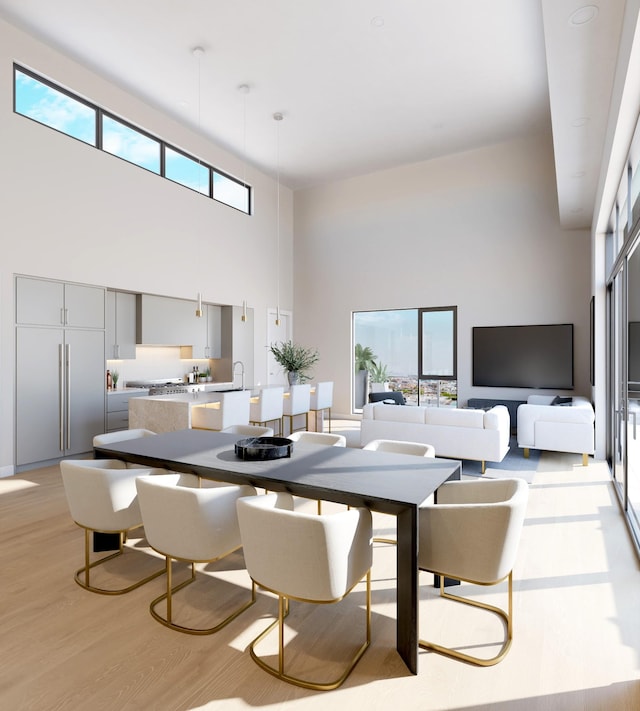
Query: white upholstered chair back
point(473, 532)
point(101, 493)
point(418, 449)
point(326, 438)
point(186, 522)
point(298, 400)
point(322, 395)
point(119, 436)
point(267, 406)
point(249, 430)
point(304, 556)
point(232, 408)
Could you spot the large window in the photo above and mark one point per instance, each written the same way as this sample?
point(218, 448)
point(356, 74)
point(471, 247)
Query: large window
point(128, 143)
point(410, 350)
point(53, 106)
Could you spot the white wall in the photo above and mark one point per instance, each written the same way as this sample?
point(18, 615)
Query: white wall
point(71, 212)
point(478, 230)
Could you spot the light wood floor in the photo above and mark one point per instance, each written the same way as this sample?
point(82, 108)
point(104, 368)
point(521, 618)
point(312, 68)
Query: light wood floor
point(577, 620)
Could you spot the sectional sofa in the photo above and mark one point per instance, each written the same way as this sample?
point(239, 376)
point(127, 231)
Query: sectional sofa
point(454, 433)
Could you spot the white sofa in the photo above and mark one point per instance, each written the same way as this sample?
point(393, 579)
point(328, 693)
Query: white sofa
point(454, 433)
point(564, 427)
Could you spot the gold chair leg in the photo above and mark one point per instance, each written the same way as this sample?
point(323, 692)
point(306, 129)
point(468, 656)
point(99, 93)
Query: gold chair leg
point(585, 459)
point(507, 617)
point(168, 596)
point(526, 452)
point(483, 467)
point(279, 672)
point(82, 575)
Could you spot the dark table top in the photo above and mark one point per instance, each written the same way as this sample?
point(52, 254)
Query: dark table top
point(382, 481)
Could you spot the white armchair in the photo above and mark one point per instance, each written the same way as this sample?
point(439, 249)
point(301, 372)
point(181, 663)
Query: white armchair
point(472, 534)
point(231, 409)
point(419, 449)
point(297, 556)
point(119, 436)
point(249, 430)
point(101, 495)
point(325, 438)
point(565, 427)
point(185, 522)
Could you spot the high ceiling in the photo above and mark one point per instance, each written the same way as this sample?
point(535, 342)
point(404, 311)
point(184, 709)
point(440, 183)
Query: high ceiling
point(363, 85)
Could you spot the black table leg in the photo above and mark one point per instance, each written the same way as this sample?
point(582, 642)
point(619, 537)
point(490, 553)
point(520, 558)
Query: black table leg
point(407, 588)
point(105, 541)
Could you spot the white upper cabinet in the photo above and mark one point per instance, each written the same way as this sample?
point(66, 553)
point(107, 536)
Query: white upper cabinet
point(41, 302)
point(120, 341)
point(163, 321)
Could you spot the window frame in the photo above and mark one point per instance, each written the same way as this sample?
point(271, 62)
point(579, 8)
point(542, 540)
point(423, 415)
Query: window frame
point(98, 143)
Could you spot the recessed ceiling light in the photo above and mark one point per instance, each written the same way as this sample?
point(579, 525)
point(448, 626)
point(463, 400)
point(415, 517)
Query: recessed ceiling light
point(580, 121)
point(377, 21)
point(583, 15)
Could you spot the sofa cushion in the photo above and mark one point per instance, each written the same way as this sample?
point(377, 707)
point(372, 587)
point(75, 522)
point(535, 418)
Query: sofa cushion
point(393, 413)
point(557, 400)
point(453, 417)
point(497, 418)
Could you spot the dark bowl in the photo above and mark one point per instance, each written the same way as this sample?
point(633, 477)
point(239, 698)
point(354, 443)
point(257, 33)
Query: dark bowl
point(262, 448)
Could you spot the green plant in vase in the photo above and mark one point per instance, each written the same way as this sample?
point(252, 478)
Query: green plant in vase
point(295, 360)
point(114, 378)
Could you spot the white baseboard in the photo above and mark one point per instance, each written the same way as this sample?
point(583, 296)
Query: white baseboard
point(7, 471)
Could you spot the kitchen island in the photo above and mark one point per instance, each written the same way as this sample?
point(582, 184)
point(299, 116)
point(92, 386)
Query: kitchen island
point(169, 413)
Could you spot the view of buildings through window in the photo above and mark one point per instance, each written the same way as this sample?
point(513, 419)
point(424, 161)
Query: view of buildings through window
point(397, 348)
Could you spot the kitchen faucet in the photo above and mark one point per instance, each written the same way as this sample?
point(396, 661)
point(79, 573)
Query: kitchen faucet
point(241, 364)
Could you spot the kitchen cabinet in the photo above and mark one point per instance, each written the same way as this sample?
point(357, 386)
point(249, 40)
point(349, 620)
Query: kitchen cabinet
point(120, 333)
point(60, 379)
point(60, 392)
point(118, 408)
point(211, 346)
point(237, 344)
point(46, 302)
point(164, 321)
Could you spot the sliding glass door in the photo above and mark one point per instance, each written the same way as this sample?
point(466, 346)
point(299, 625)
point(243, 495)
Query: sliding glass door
point(624, 384)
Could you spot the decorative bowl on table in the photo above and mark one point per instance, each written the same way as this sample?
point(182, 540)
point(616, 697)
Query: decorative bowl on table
point(262, 448)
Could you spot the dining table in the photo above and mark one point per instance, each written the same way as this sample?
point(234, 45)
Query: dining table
point(386, 482)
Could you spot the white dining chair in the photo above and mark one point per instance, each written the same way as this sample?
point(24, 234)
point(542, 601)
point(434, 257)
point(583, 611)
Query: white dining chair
point(308, 558)
point(267, 407)
point(321, 400)
point(120, 436)
point(249, 430)
point(102, 497)
point(296, 402)
point(327, 438)
point(187, 523)
point(472, 534)
point(324, 438)
point(418, 449)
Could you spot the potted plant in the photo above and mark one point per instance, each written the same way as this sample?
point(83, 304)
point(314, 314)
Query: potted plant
point(295, 360)
point(364, 359)
point(379, 378)
point(114, 378)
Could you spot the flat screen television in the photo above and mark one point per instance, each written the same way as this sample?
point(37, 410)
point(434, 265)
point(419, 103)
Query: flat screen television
point(523, 356)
